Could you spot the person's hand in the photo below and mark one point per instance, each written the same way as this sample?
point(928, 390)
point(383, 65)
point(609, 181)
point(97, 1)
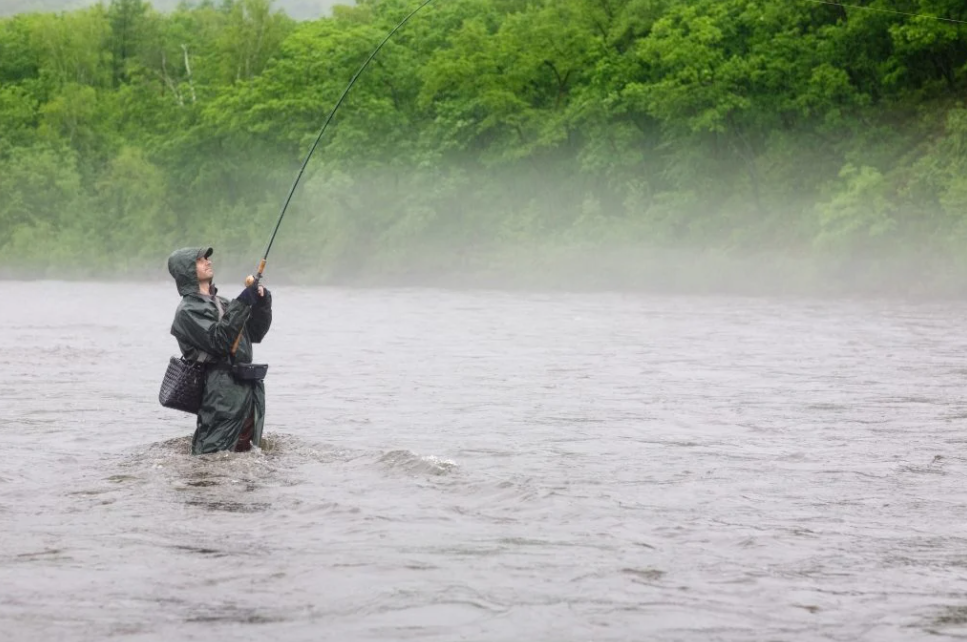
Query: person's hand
point(250, 295)
point(265, 297)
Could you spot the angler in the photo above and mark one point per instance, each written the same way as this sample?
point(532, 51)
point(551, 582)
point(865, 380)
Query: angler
point(215, 377)
point(219, 334)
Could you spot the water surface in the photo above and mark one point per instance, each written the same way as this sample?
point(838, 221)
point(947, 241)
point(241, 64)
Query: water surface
point(490, 466)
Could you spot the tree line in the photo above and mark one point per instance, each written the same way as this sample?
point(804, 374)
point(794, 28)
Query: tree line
point(487, 133)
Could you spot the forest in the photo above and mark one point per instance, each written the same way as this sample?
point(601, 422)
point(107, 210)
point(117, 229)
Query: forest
point(692, 144)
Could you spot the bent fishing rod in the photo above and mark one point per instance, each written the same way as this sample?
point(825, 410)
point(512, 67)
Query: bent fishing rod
point(254, 280)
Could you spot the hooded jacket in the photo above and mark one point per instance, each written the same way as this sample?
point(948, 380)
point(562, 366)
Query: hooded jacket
point(206, 334)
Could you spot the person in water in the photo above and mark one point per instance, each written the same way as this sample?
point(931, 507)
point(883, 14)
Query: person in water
point(206, 326)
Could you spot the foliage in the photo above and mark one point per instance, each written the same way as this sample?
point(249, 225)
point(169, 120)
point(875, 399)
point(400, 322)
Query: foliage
point(486, 130)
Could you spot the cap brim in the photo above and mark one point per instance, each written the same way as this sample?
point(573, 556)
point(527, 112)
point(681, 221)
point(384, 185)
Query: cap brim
point(205, 252)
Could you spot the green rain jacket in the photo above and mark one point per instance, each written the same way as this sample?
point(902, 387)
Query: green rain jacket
point(200, 330)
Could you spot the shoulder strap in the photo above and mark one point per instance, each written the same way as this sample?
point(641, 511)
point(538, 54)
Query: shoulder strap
point(204, 357)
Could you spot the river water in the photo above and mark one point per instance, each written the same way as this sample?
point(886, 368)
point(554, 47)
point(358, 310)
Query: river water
point(490, 466)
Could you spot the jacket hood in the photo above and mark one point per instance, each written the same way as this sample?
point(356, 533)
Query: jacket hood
point(181, 266)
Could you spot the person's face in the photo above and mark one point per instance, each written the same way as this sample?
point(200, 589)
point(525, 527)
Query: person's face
point(203, 267)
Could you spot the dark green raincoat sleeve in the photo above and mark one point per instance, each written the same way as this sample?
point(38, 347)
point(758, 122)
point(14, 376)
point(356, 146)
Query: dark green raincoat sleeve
point(261, 320)
point(197, 325)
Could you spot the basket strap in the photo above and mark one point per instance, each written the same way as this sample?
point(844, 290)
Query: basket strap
point(204, 357)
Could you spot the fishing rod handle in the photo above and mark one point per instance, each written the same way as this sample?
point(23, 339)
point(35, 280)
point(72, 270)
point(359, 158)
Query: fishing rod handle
point(249, 281)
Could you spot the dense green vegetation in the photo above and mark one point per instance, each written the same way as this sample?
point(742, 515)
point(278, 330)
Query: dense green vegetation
point(587, 138)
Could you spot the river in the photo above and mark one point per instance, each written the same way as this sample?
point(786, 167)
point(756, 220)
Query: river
point(446, 465)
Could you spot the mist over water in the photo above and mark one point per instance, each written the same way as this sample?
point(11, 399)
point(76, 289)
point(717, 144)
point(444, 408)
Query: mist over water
point(490, 465)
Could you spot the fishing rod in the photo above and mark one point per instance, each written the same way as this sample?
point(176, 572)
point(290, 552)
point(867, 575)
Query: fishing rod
point(254, 280)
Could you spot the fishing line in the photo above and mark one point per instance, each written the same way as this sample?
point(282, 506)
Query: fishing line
point(902, 13)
